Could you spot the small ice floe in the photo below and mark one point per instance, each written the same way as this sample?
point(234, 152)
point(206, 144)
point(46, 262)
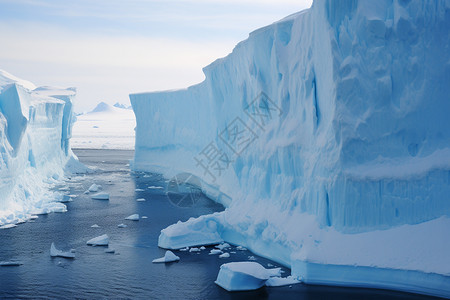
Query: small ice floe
point(241, 248)
point(168, 257)
point(244, 276)
point(282, 281)
point(10, 263)
point(110, 250)
point(153, 187)
point(184, 249)
point(223, 246)
point(86, 192)
point(202, 248)
point(215, 251)
point(140, 200)
point(95, 226)
point(138, 190)
point(94, 188)
point(224, 255)
point(100, 196)
point(33, 217)
point(122, 225)
point(251, 257)
point(7, 226)
point(66, 198)
point(134, 217)
point(55, 252)
point(144, 217)
point(102, 240)
point(194, 249)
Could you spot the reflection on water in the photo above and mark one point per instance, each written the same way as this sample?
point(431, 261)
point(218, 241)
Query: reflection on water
point(129, 273)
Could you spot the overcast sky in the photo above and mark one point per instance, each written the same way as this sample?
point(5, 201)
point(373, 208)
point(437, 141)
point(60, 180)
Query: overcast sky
point(111, 48)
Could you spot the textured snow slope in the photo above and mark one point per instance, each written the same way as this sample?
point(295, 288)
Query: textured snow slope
point(333, 132)
point(35, 128)
point(106, 127)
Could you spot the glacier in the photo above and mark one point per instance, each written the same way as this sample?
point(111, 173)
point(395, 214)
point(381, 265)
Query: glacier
point(35, 130)
point(327, 138)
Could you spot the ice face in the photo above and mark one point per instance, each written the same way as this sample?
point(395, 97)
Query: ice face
point(35, 125)
point(327, 126)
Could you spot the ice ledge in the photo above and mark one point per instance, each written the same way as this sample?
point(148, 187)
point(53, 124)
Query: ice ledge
point(371, 277)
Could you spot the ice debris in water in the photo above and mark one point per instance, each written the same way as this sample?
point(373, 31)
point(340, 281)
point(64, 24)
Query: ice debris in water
point(94, 188)
point(281, 281)
point(215, 251)
point(110, 250)
point(168, 257)
point(194, 249)
point(95, 226)
point(102, 240)
point(134, 217)
point(10, 263)
point(140, 200)
point(100, 196)
point(138, 190)
point(223, 246)
point(55, 252)
point(224, 255)
point(122, 225)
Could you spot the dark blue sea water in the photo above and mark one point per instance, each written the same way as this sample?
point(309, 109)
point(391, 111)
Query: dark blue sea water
point(130, 273)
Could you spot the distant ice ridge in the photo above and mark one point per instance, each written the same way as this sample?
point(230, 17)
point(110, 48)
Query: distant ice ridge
point(35, 128)
point(105, 127)
point(344, 109)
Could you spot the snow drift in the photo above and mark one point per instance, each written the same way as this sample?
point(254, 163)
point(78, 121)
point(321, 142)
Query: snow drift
point(35, 128)
point(329, 132)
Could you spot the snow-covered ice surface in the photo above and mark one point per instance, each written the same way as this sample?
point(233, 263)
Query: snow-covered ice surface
point(35, 128)
point(106, 127)
point(333, 135)
point(168, 257)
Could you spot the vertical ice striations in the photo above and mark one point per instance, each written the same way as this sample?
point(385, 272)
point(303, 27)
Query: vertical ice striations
point(34, 133)
point(352, 167)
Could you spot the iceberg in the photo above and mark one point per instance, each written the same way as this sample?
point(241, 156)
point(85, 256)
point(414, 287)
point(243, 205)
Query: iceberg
point(35, 129)
point(326, 137)
point(244, 276)
point(102, 240)
point(55, 252)
point(133, 217)
point(168, 257)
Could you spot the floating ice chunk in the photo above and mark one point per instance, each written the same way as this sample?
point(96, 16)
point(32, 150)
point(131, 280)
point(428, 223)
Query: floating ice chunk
point(94, 188)
point(134, 217)
point(243, 276)
point(224, 255)
point(95, 226)
point(241, 248)
point(102, 240)
point(140, 200)
point(184, 249)
point(202, 248)
point(215, 251)
point(168, 257)
point(110, 250)
point(33, 217)
point(144, 217)
point(122, 226)
point(251, 257)
point(65, 199)
point(10, 263)
point(7, 226)
point(138, 190)
point(223, 246)
point(194, 250)
point(153, 187)
point(55, 252)
point(279, 281)
point(100, 196)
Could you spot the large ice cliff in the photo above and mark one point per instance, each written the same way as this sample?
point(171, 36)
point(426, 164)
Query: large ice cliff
point(327, 136)
point(35, 128)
